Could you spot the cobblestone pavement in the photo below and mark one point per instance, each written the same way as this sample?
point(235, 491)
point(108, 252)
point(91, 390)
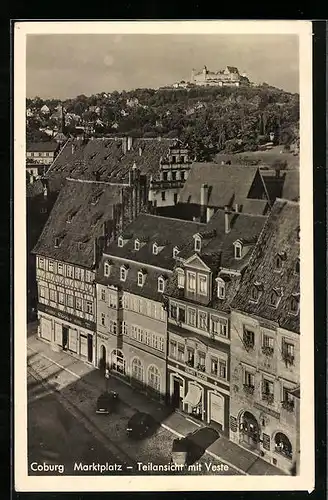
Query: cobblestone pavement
point(77, 396)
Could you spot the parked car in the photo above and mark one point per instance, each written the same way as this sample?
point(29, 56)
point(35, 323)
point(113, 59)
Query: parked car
point(140, 425)
point(107, 402)
point(190, 448)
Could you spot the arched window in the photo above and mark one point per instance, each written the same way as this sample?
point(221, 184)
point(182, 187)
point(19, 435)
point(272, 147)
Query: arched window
point(198, 243)
point(154, 378)
point(118, 361)
point(283, 445)
point(106, 268)
point(137, 369)
point(160, 284)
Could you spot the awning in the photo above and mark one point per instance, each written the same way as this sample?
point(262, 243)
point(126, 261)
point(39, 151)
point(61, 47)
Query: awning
point(193, 396)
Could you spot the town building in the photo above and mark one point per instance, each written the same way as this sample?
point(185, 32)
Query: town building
point(210, 186)
point(206, 277)
point(41, 153)
point(166, 185)
point(85, 216)
point(265, 344)
point(229, 77)
point(131, 318)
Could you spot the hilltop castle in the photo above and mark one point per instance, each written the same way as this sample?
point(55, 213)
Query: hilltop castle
point(230, 76)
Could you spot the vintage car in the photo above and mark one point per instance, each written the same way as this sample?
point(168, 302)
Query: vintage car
point(140, 425)
point(107, 402)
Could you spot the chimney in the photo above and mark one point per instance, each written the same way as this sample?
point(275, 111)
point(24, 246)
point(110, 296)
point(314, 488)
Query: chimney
point(124, 144)
point(236, 207)
point(129, 143)
point(204, 194)
point(140, 151)
point(95, 253)
point(73, 148)
point(227, 227)
point(209, 213)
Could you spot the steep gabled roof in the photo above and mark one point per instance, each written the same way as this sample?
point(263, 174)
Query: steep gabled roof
point(107, 157)
point(227, 184)
point(44, 147)
point(280, 235)
point(77, 237)
point(152, 229)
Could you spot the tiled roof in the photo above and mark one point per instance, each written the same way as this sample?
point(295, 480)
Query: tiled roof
point(287, 186)
point(227, 184)
point(280, 235)
point(155, 229)
point(77, 237)
point(291, 187)
point(106, 157)
point(148, 290)
point(44, 147)
point(255, 207)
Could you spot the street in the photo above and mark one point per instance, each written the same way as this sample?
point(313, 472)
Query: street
point(65, 429)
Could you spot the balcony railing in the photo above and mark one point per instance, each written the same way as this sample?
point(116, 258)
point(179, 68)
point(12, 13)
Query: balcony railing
point(268, 397)
point(200, 367)
point(248, 344)
point(249, 389)
point(287, 405)
point(267, 350)
point(190, 363)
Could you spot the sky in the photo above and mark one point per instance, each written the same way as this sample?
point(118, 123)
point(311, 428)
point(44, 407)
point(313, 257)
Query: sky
point(66, 65)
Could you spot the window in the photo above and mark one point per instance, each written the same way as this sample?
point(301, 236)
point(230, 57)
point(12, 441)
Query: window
point(123, 273)
point(103, 319)
point(202, 284)
point(221, 288)
point(249, 379)
point(137, 245)
point(56, 242)
point(279, 261)
point(120, 242)
point(173, 311)
point(175, 252)
point(181, 314)
point(160, 284)
point(70, 300)
point(60, 268)
point(198, 244)
point(294, 304)
point(173, 349)
point(214, 366)
point(112, 301)
point(118, 361)
point(137, 369)
point(191, 316)
point(182, 174)
point(42, 292)
point(141, 278)
point(164, 176)
point(267, 345)
point(41, 263)
point(219, 326)
point(155, 249)
point(77, 273)
point(61, 298)
point(238, 253)
point(53, 295)
point(283, 445)
point(288, 352)
point(106, 269)
point(287, 400)
point(297, 266)
point(222, 369)
point(103, 294)
point(113, 327)
point(202, 320)
point(78, 304)
point(191, 281)
point(51, 266)
point(268, 391)
point(181, 278)
point(254, 293)
point(69, 271)
point(154, 378)
point(89, 307)
point(201, 361)
point(248, 338)
point(181, 350)
point(190, 357)
point(274, 298)
point(163, 195)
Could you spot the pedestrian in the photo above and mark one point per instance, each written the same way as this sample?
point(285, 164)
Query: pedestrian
point(106, 378)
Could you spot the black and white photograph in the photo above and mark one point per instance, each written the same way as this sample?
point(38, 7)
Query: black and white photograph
point(163, 256)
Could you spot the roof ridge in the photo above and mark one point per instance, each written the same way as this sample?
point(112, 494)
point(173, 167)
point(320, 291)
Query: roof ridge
point(289, 202)
point(60, 152)
point(173, 218)
point(91, 181)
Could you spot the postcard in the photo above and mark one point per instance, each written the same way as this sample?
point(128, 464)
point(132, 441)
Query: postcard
point(163, 256)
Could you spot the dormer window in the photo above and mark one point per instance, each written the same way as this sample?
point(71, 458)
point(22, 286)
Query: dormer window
point(238, 249)
point(175, 252)
point(56, 242)
point(123, 273)
point(141, 278)
point(107, 269)
point(198, 242)
point(256, 290)
point(120, 242)
point(280, 258)
point(155, 249)
point(136, 245)
point(161, 284)
point(221, 288)
point(275, 297)
point(294, 303)
point(181, 277)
